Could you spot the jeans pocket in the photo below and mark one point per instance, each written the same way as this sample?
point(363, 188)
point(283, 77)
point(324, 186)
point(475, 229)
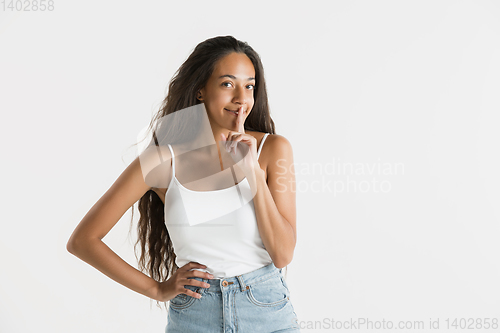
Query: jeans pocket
point(183, 301)
point(268, 293)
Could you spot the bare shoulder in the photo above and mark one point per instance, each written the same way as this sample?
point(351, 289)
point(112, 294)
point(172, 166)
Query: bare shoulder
point(150, 170)
point(277, 145)
point(257, 135)
point(156, 169)
point(278, 155)
point(276, 150)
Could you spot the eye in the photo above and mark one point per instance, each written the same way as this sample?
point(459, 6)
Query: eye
point(229, 84)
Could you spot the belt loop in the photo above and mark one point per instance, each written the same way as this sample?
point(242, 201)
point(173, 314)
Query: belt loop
point(242, 283)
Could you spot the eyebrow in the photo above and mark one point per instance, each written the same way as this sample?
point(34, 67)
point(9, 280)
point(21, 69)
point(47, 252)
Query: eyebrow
point(234, 77)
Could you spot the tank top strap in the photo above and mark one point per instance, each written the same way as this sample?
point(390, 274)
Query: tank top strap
point(261, 144)
point(173, 160)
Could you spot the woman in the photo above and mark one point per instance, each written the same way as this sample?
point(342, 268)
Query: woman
point(214, 252)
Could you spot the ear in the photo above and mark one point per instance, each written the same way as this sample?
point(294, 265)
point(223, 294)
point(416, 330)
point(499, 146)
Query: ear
point(199, 95)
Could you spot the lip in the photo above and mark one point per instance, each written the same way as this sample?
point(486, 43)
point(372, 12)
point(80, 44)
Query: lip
point(233, 112)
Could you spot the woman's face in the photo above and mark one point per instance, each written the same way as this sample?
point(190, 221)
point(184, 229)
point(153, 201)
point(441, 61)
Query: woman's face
point(230, 86)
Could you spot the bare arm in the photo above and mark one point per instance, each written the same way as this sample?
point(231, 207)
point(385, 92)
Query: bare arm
point(275, 202)
point(86, 241)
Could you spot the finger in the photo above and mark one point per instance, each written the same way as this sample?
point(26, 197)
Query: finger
point(203, 275)
point(230, 139)
point(191, 265)
point(197, 283)
point(235, 138)
point(191, 281)
point(201, 284)
point(240, 120)
point(191, 293)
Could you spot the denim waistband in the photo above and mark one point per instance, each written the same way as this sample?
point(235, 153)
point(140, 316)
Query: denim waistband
point(241, 281)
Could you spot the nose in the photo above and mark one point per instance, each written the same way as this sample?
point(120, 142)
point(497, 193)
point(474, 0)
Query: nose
point(239, 96)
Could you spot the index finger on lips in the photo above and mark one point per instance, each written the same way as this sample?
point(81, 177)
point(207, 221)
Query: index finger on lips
point(240, 120)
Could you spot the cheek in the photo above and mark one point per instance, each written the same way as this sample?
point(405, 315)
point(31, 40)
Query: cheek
point(221, 99)
point(214, 104)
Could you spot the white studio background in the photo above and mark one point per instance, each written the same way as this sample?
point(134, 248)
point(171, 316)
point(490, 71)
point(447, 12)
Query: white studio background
point(405, 92)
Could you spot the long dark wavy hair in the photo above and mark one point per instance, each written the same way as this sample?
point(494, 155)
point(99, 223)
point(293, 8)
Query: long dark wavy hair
point(157, 257)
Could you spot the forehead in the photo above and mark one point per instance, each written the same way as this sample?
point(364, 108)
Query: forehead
point(237, 64)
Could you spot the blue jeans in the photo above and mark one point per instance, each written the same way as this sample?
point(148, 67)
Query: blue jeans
point(258, 301)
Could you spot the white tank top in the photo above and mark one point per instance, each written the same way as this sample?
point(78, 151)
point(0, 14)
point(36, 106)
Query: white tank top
point(225, 239)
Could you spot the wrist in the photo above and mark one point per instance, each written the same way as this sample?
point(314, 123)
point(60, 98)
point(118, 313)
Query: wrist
point(152, 291)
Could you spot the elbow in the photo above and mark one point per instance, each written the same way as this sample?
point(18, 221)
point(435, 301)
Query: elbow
point(282, 262)
point(283, 258)
point(279, 266)
point(75, 245)
point(80, 241)
point(71, 246)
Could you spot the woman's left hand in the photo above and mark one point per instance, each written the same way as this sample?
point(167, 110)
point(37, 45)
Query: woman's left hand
point(234, 137)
